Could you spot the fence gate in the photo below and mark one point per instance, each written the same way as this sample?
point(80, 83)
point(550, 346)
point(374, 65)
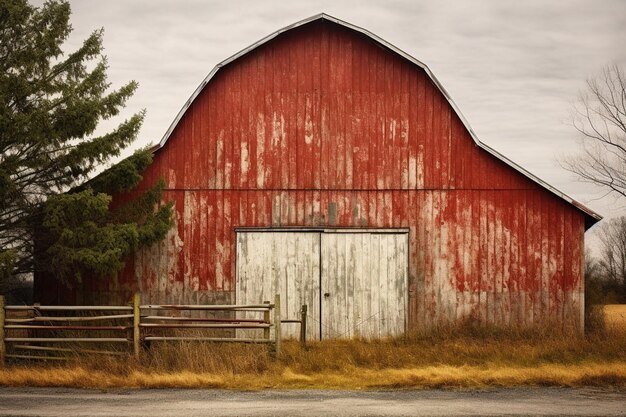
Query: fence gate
point(353, 281)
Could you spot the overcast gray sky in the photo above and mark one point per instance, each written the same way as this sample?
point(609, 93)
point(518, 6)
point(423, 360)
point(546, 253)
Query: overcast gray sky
point(513, 67)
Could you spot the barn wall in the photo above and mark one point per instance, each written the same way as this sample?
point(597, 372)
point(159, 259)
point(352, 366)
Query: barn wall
point(493, 256)
point(323, 127)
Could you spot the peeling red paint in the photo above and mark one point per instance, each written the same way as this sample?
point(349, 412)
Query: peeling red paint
point(322, 127)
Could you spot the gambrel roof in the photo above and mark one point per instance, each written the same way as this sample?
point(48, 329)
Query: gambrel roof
point(591, 217)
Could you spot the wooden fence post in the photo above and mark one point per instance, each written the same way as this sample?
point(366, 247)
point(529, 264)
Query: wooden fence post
point(266, 319)
point(303, 312)
point(136, 321)
point(277, 335)
point(2, 346)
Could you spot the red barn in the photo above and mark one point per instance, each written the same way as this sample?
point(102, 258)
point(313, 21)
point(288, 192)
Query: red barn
point(324, 164)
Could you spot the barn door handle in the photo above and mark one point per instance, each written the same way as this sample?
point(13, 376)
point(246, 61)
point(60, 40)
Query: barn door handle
point(326, 294)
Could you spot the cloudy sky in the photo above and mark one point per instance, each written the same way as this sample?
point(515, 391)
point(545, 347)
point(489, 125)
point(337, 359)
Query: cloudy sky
point(513, 67)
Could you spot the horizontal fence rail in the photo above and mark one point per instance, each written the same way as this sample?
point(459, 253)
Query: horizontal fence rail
point(259, 307)
point(202, 319)
point(34, 331)
point(68, 308)
point(32, 327)
point(208, 339)
point(66, 350)
point(68, 339)
point(205, 326)
point(73, 319)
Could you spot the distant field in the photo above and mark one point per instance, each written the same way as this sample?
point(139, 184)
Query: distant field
point(615, 315)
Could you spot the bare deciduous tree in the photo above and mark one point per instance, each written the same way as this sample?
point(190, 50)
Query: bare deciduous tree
point(594, 294)
point(612, 264)
point(600, 117)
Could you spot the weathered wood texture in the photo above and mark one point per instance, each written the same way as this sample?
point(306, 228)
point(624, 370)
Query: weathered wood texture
point(142, 326)
point(364, 285)
point(323, 127)
point(280, 263)
point(354, 283)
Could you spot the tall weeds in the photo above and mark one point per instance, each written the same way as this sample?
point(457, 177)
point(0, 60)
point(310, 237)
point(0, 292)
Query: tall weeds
point(450, 357)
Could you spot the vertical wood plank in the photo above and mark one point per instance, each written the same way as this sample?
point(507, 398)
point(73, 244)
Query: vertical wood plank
point(220, 124)
point(536, 238)
point(266, 320)
point(499, 255)
point(545, 259)
point(522, 231)
point(277, 325)
point(253, 86)
point(284, 263)
point(136, 322)
point(569, 315)
point(233, 145)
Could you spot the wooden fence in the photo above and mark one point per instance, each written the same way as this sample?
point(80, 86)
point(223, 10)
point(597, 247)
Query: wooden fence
point(27, 328)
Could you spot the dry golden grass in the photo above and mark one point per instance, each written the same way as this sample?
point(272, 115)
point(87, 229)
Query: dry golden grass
point(615, 316)
point(450, 358)
point(440, 376)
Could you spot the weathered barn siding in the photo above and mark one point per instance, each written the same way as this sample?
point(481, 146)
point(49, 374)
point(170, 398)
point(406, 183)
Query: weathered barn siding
point(322, 126)
point(496, 256)
point(505, 257)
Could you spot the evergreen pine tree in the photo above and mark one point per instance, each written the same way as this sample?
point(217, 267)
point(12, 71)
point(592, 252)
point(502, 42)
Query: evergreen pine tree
point(50, 105)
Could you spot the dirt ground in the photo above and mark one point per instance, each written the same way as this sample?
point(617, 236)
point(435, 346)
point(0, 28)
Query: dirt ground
point(183, 403)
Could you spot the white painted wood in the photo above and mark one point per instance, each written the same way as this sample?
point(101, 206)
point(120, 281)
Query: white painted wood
point(365, 276)
point(285, 263)
point(363, 273)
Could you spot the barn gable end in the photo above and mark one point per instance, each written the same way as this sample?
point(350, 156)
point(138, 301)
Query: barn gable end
point(323, 128)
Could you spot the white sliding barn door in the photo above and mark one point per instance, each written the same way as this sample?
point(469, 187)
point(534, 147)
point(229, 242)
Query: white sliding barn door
point(364, 285)
point(354, 283)
point(285, 263)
